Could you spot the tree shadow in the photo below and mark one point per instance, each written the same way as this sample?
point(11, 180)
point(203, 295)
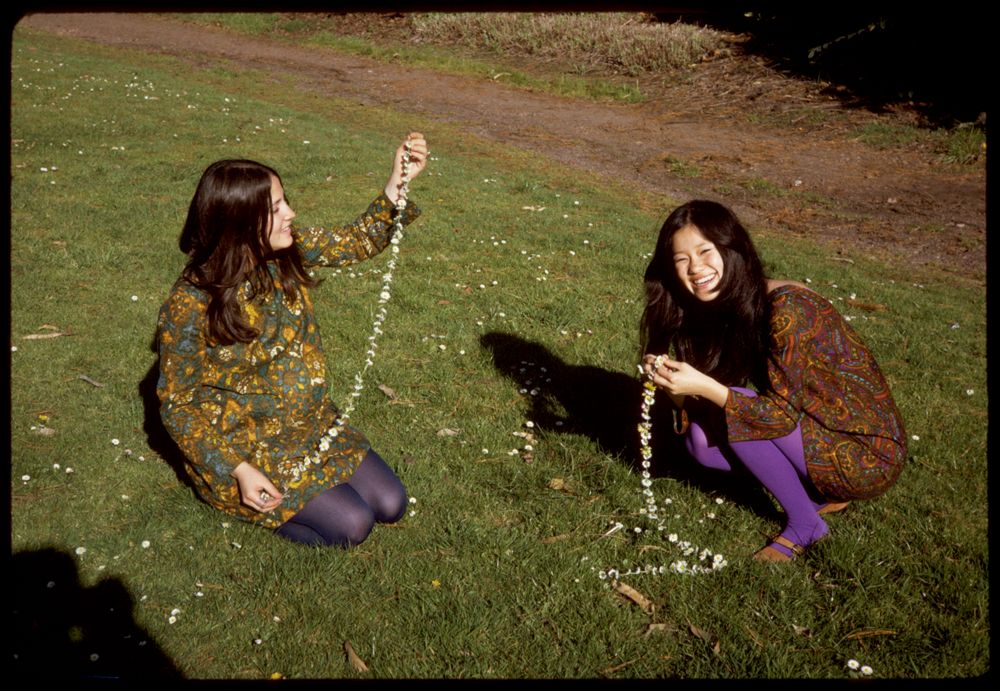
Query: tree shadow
point(604, 406)
point(874, 56)
point(157, 437)
point(62, 630)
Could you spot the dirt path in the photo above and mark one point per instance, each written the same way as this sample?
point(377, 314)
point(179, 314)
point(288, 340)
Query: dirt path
point(904, 207)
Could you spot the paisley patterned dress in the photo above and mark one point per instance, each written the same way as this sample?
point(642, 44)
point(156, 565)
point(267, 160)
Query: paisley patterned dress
point(824, 378)
point(264, 402)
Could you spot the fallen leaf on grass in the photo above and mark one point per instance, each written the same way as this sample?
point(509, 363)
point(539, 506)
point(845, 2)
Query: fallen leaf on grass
point(356, 662)
point(866, 633)
point(533, 208)
point(447, 432)
point(705, 636)
point(387, 391)
point(51, 334)
point(87, 379)
point(561, 485)
point(657, 628)
point(754, 636)
point(634, 595)
point(801, 630)
point(555, 538)
point(869, 306)
point(698, 632)
point(617, 668)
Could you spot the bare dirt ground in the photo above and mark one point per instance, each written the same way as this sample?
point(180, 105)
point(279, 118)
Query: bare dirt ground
point(903, 206)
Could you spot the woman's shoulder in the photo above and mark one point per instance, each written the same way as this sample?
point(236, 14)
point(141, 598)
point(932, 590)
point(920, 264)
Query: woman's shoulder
point(785, 291)
point(795, 301)
point(185, 296)
point(774, 284)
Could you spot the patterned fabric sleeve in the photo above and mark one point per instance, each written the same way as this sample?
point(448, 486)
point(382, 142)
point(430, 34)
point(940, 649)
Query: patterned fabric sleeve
point(776, 413)
point(368, 235)
point(185, 410)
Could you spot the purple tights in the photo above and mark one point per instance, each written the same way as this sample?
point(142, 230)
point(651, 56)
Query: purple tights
point(778, 464)
point(345, 514)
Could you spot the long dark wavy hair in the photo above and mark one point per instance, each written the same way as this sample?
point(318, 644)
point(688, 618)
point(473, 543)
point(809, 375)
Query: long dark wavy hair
point(226, 240)
point(726, 338)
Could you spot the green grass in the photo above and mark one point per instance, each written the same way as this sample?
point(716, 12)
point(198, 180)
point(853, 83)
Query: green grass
point(497, 571)
point(961, 145)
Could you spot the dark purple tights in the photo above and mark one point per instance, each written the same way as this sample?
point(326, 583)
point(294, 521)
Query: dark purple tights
point(778, 464)
point(345, 514)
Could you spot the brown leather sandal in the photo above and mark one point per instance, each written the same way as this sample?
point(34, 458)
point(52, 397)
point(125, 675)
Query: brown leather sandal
point(769, 553)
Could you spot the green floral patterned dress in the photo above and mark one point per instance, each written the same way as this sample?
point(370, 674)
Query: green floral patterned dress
point(264, 402)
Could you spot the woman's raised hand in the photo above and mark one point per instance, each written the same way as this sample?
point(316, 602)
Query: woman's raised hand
point(418, 161)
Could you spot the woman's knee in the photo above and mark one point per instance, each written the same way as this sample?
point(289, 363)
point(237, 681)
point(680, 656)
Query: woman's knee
point(698, 446)
point(354, 531)
point(393, 505)
point(378, 485)
point(338, 515)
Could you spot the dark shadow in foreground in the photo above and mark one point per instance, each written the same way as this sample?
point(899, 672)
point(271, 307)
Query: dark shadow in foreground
point(605, 407)
point(62, 630)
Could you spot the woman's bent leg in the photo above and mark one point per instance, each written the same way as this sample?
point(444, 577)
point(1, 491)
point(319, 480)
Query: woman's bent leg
point(378, 485)
point(778, 474)
point(338, 516)
point(345, 514)
point(780, 465)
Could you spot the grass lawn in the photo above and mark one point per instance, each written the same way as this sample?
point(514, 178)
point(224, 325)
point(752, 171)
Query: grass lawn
point(513, 324)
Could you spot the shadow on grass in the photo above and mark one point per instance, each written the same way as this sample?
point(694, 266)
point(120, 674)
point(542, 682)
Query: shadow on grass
point(63, 630)
point(604, 406)
point(157, 437)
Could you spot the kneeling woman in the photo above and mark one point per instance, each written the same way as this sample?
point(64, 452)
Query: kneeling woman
point(242, 383)
point(819, 427)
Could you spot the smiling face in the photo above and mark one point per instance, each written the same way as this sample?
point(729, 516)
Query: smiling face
point(280, 234)
point(698, 264)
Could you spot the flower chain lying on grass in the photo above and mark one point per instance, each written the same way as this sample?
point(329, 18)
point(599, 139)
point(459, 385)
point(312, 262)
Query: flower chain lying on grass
point(707, 560)
point(296, 471)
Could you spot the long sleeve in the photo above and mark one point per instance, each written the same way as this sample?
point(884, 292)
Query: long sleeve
point(188, 409)
point(775, 413)
point(821, 374)
point(368, 235)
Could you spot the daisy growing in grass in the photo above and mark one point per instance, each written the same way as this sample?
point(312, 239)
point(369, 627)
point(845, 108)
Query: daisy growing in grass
point(766, 376)
point(242, 382)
